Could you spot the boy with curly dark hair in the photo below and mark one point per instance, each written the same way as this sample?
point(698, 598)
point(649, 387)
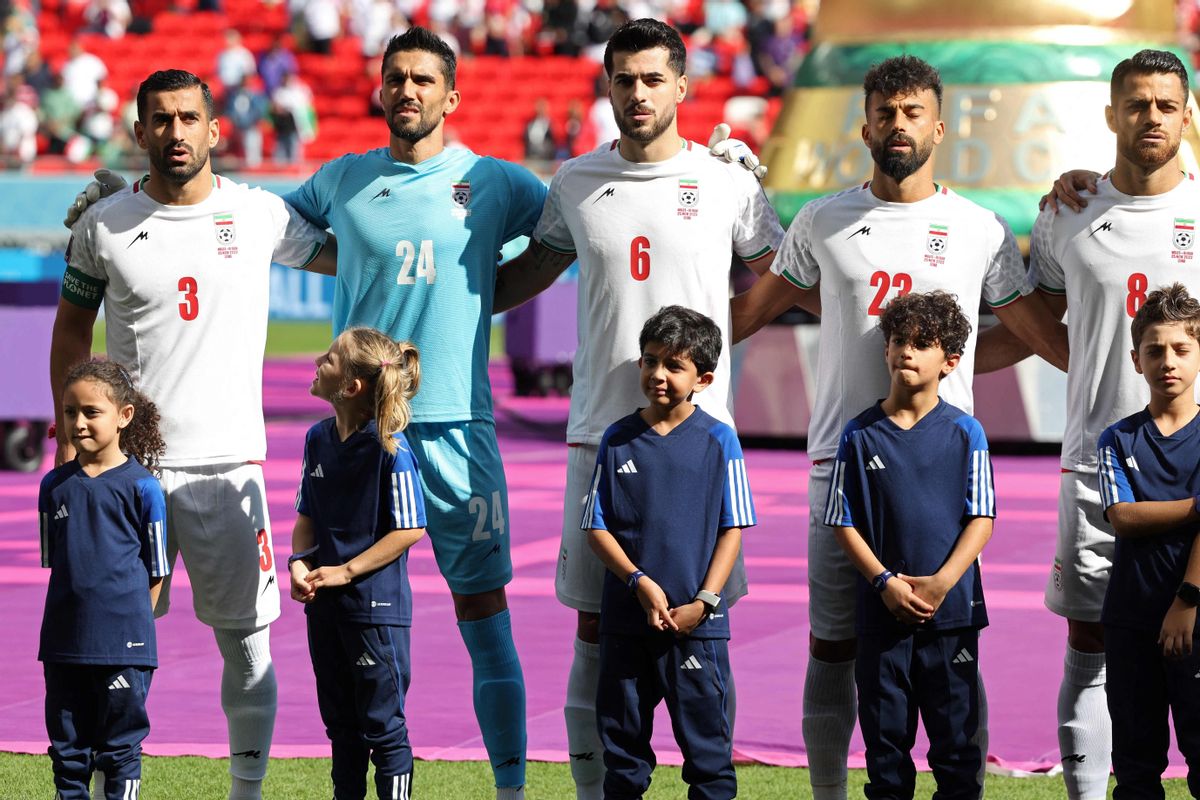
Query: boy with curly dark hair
point(912, 504)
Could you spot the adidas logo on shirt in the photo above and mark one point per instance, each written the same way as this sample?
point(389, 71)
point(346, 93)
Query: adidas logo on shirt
point(691, 663)
point(119, 683)
point(365, 660)
point(875, 463)
point(627, 467)
point(963, 657)
point(317, 473)
point(62, 512)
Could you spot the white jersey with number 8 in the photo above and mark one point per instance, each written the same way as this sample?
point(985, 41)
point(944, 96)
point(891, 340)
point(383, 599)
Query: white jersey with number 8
point(1106, 259)
point(865, 251)
point(185, 292)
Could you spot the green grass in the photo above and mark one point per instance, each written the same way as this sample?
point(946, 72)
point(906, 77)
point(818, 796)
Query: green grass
point(23, 777)
point(298, 338)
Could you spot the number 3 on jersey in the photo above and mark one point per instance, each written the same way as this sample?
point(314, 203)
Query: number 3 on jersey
point(408, 252)
point(884, 283)
point(189, 306)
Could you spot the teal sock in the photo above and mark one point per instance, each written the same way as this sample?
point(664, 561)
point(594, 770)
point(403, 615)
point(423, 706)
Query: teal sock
point(499, 695)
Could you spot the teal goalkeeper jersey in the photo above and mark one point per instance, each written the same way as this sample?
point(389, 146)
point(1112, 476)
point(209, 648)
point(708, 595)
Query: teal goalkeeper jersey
point(418, 247)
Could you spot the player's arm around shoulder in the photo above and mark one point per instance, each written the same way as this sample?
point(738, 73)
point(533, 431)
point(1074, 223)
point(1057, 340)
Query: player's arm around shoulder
point(549, 252)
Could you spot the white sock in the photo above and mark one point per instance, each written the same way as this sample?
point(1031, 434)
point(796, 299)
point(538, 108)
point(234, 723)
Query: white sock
point(830, 708)
point(248, 697)
point(584, 749)
point(510, 793)
point(1084, 728)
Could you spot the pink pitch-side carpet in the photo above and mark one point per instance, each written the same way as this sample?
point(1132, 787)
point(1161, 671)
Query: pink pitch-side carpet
point(1021, 651)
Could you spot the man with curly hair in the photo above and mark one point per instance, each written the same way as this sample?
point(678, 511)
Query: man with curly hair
point(912, 505)
point(900, 232)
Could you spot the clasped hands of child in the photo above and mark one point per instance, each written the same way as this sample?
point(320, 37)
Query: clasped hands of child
point(659, 613)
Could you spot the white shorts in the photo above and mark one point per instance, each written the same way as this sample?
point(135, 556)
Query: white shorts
point(579, 579)
point(217, 520)
point(1084, 552)
point(832, 579)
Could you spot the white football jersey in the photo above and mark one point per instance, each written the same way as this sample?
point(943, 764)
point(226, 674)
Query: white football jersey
point(185, 292)
point(1106, 259)
point(864, 251)
point(647, 236)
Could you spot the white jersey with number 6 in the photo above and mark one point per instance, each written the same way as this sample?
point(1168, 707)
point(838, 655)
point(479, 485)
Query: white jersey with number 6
point(649, 235)
point(185, 292)
point(1106, 259)
point(864, 251)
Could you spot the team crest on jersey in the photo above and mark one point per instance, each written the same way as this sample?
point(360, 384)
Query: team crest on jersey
point(1182, 239)
point(460, 196)
point(689, 198)
point(226, 233)
point(937, 242)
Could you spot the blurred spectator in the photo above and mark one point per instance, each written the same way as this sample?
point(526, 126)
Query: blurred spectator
point(246, 108)
point(559, 27)
point(579, 136)
point(322, 23)
point(294, 120)
point(110, 17)
point(275, 65)
point(443, 31)
point(82, 73)
point(235, 63)
point(18, 123)
point(778, 53)
point(98, 122)
point(702, 59)
point(539, 134)
point(602, 22)
point(600, 116)
point(20, 37)
point(721, 15)
point(37, 73)
point(375, 22)
point(59, 114)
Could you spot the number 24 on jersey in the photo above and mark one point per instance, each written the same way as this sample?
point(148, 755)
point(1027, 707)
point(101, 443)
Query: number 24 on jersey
point(416, 262)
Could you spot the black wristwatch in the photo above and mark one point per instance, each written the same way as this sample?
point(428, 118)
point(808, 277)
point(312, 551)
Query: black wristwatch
point(1189, 593)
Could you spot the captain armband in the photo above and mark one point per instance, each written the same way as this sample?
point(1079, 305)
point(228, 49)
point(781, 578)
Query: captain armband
point(82, 289)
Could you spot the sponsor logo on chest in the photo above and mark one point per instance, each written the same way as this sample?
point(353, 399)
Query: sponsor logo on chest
point(1183, 236)
point(226, 232)
point(937, 242)
point(689, 198)
point(460, 197)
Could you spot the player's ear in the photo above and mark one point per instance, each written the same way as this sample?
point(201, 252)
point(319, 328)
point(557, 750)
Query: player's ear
point(1187, 117)
point(1137, 364)
point(939, 132)
point(453, 98)
point(214, 132)
point(681, 88)
point(139, 133)
point(1110, 117)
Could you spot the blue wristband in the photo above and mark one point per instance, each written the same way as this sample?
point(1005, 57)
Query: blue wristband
point(632, 580)
point(880, 580)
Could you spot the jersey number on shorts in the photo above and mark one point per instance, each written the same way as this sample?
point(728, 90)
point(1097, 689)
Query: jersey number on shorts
point(1137, 285)
point(639, 258)
point(479, 507)
point(883, 282)
point(265, 562)
point(190, 305)
point(408, 252)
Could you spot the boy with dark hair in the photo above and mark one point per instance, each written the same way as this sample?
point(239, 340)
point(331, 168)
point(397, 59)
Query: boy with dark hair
point(912, 504)
point(1149, 473)
point(669, 500)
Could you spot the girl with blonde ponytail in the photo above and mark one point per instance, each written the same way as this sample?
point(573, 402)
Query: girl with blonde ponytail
point(360, 509)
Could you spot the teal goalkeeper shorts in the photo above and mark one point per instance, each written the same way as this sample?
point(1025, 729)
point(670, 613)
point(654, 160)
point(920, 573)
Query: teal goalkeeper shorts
point(466, 502)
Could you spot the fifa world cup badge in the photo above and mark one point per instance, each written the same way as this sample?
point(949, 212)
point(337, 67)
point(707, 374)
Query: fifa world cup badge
point(226, 233)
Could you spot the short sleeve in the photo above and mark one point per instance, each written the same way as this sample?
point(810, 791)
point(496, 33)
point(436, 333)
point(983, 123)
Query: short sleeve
point(552, 231)
point(85, 276)
point(837, 502)
point(1044, 270)
point(406, 501)
point(599, 497)
point(795, 262)
point(528, 196)
point(297, 240)
point(303, 504)
point(314, 199)
point(981, 490)
point(756, 231)
point(1005, 280)
point(737, 503)
point(45, 513)
point(1114, 483)
point(153, 525)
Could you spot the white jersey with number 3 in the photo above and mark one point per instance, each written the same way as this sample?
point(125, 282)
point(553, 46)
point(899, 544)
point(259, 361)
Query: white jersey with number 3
point(865, 251)
point(649, 235)
point(185, 292)
point(1106, 259)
